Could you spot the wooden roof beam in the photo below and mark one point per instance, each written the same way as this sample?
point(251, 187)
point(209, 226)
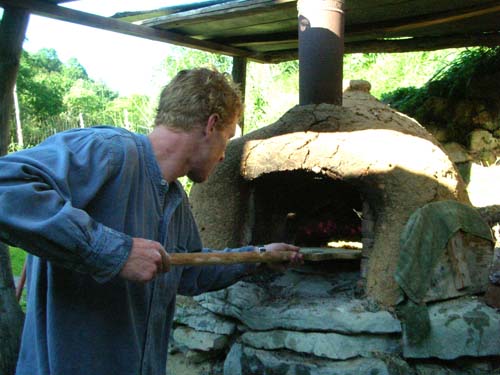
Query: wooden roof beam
point(413, 23)
point(424, 43)
point(259, 39)
point(46, 9)
point(400, 45)
point(220, 11)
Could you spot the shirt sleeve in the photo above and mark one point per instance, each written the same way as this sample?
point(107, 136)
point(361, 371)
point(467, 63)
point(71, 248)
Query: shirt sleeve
point(43, 193)
point(200, 279)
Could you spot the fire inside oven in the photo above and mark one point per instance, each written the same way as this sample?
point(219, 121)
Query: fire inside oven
point(307, 209)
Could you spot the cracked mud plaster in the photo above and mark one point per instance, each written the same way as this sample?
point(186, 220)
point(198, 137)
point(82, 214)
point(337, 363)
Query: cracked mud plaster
point(356, 143)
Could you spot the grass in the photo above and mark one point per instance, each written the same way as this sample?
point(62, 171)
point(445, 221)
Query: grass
point(17, 258)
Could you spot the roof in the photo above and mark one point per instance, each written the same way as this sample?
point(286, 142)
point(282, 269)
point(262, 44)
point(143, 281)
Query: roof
point(266, 30)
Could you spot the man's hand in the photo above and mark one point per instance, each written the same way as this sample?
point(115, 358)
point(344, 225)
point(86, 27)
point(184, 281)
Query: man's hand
point(295, 260)
point(147, 258)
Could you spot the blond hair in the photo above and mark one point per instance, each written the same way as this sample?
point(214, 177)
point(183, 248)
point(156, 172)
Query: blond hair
point(193, 95)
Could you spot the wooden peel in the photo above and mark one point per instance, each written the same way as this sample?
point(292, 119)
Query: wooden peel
point(313, 254)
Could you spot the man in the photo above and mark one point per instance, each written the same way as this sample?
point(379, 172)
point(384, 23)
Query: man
point(99, 209)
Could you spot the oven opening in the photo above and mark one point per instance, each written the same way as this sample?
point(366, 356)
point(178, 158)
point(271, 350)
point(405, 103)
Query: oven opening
point(307, 209)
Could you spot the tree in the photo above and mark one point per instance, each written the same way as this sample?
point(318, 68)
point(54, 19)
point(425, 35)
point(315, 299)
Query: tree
point(12, 30)
point(185, 58)
point(264, 81)
point(53, 95)
point(139, 110)
point(389, 71)
point(40, 85)
point(88, 98)
point(74, 71)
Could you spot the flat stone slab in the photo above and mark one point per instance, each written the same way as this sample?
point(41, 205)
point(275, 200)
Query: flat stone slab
point(197, 340)
point(460, 327)
point(201, 319)
point(179, 364)
point(481, 368)
point(243, 360)
point(328, 345)
point(293, 302)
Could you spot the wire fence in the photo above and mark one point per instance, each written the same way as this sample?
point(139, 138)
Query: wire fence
point(34, 132)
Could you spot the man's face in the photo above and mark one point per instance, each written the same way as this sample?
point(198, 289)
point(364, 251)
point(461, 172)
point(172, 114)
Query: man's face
point(211, 152)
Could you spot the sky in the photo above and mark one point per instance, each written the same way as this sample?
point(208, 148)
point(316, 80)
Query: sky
point(124, 63)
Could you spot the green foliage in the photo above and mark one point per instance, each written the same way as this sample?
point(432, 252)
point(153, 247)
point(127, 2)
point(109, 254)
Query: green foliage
point(449, 81)
point(436, 103)
point(387, 72)
point(55, 96)
point(40, 85)
point(74, 71)
point(135, 112)
point(405, 99)
point(264, 82)
point(88, 98)
point(454, 79)
point(271, 91)
point(46, 59)
point(13, 147)
point(186, 183)
point(184, 58)
point(17, 259)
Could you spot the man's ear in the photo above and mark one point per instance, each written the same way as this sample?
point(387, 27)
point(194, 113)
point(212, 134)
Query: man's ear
point(212, 123)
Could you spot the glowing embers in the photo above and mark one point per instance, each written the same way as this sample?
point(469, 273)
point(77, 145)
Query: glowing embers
point(331, 227)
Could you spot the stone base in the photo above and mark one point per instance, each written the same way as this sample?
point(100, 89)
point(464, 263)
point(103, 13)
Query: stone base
point(311, 322)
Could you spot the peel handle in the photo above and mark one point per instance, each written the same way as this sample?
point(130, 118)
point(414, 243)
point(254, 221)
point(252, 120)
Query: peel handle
point(204, 259)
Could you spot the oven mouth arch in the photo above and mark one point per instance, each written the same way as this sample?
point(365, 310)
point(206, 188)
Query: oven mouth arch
point(307, 209)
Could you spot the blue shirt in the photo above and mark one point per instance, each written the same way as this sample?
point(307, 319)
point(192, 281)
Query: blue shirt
point(75, 201)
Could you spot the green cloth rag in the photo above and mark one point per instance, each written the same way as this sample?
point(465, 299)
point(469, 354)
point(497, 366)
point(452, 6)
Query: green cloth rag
point(425, 238)
point(423, 242)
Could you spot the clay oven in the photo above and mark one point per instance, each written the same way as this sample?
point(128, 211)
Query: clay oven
point(327, 173)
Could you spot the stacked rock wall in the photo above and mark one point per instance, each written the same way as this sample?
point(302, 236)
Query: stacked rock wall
point(310, 321)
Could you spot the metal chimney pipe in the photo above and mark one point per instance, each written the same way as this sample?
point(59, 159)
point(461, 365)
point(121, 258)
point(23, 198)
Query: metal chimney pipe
point(321, 49)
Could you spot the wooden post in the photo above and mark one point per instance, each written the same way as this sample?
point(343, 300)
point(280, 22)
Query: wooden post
point(80, 120)
point(19, 128)
point(126, 121)
point(12, 31)
point(239, 74)
point(11, 318)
